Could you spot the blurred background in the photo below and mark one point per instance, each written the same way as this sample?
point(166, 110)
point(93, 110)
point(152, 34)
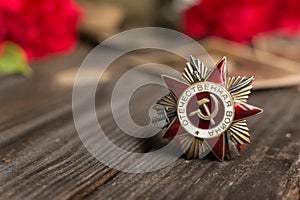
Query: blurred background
point(260, 37)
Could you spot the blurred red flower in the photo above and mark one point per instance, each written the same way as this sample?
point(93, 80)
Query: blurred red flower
point(40, 27)
point(241, 20)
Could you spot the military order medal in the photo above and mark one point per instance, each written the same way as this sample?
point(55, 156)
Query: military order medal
point(207, 111)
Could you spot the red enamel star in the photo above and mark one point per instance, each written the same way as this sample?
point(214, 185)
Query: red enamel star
point(204, 105)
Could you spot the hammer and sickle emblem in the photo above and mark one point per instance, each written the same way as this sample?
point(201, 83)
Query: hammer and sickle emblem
point(207, 115)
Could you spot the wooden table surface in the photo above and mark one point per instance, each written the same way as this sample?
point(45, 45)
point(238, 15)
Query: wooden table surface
point(42, 156)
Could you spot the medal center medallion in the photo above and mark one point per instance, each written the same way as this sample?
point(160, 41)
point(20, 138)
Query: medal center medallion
point(205, 109)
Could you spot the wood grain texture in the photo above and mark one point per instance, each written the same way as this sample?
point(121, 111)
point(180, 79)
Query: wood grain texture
point(43, 157)
point(267, 169)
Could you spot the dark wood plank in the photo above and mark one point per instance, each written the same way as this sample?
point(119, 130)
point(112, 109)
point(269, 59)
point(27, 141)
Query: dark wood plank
point(23, 100)
point(45, 159)
point(267, 169)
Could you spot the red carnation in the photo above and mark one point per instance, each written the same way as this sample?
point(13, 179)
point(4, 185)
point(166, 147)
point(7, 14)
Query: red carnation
point(40, 27)
point(240, 20)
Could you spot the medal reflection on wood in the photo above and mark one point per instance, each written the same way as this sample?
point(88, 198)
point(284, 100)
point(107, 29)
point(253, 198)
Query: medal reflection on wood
point(207, 112)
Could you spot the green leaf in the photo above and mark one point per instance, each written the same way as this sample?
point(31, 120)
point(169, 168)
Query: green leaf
point(13, 60)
